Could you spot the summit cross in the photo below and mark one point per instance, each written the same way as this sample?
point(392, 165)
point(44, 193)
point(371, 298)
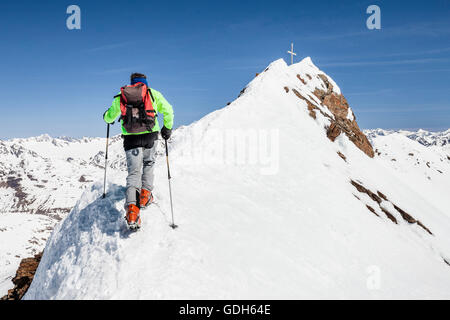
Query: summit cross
point(292, 53)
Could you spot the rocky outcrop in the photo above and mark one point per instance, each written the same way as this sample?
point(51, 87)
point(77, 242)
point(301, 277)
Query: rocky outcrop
point(342, 122)
point(24, 277)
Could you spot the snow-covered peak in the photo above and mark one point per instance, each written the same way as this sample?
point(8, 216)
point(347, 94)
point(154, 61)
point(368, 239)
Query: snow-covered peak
point(274, 199)
point(310, 76)
point(313, 76)
point(43, 137)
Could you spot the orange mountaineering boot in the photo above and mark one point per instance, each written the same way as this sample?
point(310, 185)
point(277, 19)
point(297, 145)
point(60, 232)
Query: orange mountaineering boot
point(133, 217)
point(145, 198)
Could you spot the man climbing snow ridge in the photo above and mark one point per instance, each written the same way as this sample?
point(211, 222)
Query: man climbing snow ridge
point(137, 106)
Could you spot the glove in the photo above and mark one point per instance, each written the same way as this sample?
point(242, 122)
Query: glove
point(165, 133)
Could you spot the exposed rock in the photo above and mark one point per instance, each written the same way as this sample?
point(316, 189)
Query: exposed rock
point(242, 92)
point(300, 78)
point(407, 217)
point(375, 198)
point(312, 108)
point(361, 189)
point(379, 197)
point(389, 215)
point(21, 197)
point(341, 122)
point(333, 131)
point(286, 89)
point(340, 154)
point(382, 196)
point(426, 229)
point(83, 179)
point(31, 177)
point(24, 277)
point(339, 107)
point(372, 210)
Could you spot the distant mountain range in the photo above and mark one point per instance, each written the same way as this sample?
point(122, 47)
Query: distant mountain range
point(426, 138)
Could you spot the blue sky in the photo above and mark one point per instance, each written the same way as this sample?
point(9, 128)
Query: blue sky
point(200, 54)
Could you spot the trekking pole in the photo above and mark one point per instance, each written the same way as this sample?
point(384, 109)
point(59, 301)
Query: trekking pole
point(173, 225)
point(106, 161)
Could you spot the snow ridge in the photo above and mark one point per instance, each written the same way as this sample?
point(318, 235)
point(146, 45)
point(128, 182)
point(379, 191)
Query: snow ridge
point(299, 230)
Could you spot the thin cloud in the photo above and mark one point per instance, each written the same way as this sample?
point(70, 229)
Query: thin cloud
point(244, 67)
point(375, 92)
point(415, 71)
point(422, 29)
point(113, 71)
point(337, 35)
point(383, 63)
point(415, 29)
point(396, 54)
point(109, 47)
point(401, 110)
point(409, 53)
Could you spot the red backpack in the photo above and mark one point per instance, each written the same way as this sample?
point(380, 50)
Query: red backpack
point(136, 107)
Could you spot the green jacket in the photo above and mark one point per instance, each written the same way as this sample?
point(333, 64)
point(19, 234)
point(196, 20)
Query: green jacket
point(160, 105)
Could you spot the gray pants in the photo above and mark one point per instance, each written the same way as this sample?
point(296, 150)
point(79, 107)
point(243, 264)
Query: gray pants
point(140, 162)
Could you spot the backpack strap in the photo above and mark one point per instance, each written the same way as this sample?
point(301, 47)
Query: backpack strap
point(153, 102)
point(151, 95)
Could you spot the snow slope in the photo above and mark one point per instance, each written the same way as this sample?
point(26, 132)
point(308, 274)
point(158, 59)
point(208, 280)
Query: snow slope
point(266, 209)
point(427, 169)
point(22, 235)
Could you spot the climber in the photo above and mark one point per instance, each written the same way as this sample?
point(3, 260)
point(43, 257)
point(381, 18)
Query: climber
point(138, 105)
